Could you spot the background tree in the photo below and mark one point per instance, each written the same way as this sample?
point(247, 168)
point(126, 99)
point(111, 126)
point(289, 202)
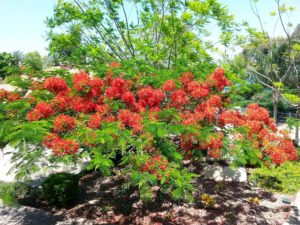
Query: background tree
point(273, 61)
point(8, 64)
point(161, 33)
point(33, 60)
point(19, 57)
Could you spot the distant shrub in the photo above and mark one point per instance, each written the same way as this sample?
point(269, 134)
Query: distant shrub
point(284, 178)
point(61, 189)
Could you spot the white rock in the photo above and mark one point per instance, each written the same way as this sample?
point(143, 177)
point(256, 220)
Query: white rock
point(5, 164)
point(8, 87)
point(225, 173)
point(93, 202)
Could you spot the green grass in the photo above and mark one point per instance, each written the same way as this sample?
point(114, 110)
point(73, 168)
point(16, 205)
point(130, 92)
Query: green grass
point(283, 179)
point(7, 194)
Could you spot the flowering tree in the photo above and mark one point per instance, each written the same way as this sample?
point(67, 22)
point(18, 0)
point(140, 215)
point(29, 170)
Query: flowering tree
point(152, 128)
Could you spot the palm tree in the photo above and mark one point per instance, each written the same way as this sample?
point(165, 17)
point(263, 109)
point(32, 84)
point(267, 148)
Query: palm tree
point(19, 56)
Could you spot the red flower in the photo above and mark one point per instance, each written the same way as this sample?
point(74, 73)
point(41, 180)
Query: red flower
point(231, 117)
point(65, 147)
point(3, 94)
point(60, 146)
point(55, 85)
point(129, 98)
point(179, 98)
point(169, 85)
point(37, 86)
point(118, 87)
point(61, 102)
point(81, 82)
point(197, 90)
point(9, 96)
point(217, 79)
point(115, 65)
point(64, 123)
point(155, 165)
point(254, 112)
point(130, 119)
point(214, 101)
point(103, 109)
point(96, 85)
point(95, 121)
point(83, 105)
point(41, 110)
point(150, 97)
point(186, 78)
point(45, 109)
point(34, 115)
point(50, 140)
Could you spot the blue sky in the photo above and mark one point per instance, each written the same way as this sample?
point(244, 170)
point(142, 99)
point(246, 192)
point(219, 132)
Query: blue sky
point(22, 21)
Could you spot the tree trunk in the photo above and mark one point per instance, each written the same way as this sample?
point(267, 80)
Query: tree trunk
point(275, 101)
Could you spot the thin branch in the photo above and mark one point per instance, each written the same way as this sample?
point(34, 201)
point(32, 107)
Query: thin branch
point(128, 34)
point(274, 89)
point(99, 32)
point(108, 6)
point(284, 28)
point(260, 74)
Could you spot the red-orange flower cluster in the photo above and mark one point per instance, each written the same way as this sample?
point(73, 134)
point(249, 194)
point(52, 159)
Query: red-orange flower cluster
point(261, 132)
point(169, 85)
point(64, 123)
point(41, 111)
point(95, 121)
point(55, 85)
point(9, 96)
point(155, 165)
point(149, 97)
point(197, 104)
point(130, 119)
point(60, 146)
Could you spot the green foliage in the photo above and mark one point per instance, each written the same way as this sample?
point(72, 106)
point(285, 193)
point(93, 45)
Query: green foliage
point(294, 99)
point(103, 31)
point(7, 194)
point(173, 181)
point(284, 178)
point(61, 189)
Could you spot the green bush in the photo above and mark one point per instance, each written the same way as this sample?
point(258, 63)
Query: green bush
point(61, 189)
point(12, 194)
point(284, 178)
point(7, 194)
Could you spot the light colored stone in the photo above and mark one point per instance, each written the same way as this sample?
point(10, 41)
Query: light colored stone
point(225, 173)
point(7, 174)
point(93, 202)
point(25, 215)
point(291, 132)
point(294, 217)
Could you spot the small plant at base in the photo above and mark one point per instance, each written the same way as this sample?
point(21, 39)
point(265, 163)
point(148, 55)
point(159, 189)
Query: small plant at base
point(207, 200)
point(254, 200)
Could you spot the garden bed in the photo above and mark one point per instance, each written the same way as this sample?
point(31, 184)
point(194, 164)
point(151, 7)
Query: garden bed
point(103, 201)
